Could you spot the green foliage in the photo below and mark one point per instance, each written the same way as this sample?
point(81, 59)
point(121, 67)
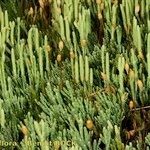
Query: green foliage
point(75, 74)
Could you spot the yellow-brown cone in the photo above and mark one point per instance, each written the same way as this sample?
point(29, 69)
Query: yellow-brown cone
point(89, 124)
point(58, 57)
point(24, 130)
point(61, 45)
